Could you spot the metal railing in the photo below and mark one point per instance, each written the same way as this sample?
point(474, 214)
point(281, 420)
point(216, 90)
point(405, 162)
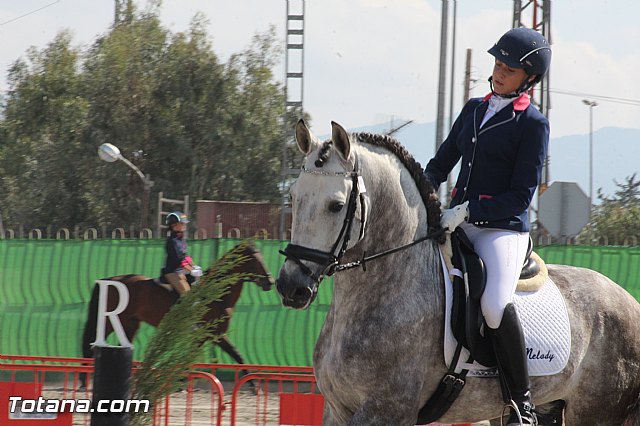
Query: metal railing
point(117, 233)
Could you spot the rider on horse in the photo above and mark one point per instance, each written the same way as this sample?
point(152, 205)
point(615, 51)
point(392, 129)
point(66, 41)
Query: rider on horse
point(503, 141)
point(178, 263)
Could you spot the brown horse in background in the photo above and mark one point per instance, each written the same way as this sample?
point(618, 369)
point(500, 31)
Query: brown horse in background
point(149, 302)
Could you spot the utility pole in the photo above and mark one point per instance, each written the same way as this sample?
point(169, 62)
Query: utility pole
point(540, 11)
point(467, 78)
point(442, 75)
point(452, 93)
point(590, 104)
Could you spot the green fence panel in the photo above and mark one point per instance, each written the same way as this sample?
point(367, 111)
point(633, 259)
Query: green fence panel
point(45, 287)
point(621, 264)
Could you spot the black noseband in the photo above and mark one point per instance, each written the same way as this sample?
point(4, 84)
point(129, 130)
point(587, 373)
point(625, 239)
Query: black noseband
point(298, 253)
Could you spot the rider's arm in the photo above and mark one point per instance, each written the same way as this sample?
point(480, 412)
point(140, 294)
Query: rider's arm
point(448, 154)
point(187, 263)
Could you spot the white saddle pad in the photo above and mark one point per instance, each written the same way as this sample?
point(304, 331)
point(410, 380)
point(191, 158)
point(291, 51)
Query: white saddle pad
point(545, 322)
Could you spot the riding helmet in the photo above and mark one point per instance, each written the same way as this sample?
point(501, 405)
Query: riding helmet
point(524, 48)
point(175, 217)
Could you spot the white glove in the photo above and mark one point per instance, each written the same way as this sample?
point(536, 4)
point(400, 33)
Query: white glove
point(196, 271)
point(452, 218)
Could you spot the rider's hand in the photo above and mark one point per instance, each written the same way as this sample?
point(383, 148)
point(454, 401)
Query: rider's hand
point(452, 218)
point(196, 271)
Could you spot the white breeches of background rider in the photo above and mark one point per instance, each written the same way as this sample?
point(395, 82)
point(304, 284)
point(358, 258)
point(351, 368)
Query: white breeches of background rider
point(503, 253)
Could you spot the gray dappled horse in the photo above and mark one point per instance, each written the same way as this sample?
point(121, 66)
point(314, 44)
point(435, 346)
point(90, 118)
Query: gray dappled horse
point(379, 355)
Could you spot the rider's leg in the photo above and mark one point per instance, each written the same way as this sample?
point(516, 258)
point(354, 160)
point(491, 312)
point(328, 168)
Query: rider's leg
point(503, 253)
point(178, 282)
point(508, 343)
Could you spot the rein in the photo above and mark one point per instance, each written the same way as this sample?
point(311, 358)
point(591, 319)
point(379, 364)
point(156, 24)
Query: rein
point(363, 262)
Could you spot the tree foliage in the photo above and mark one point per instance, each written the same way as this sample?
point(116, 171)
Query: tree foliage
point(616, 220)
point(179, 337)
point(193, 124)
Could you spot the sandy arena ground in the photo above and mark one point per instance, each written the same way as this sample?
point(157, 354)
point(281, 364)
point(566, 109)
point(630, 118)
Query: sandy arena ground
point(251, 409)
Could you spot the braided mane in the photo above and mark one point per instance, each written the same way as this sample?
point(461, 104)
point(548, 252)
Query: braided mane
point(426, 189)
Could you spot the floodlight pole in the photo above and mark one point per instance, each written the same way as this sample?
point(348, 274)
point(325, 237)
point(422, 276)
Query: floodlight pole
point(113, 154)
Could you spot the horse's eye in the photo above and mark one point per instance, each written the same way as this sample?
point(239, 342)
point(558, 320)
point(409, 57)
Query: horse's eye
point(336, 206)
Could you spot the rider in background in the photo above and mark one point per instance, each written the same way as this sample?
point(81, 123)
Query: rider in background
point(502, 140)
point(178, 263)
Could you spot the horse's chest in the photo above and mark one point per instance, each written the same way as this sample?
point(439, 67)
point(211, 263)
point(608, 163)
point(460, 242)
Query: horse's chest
point(346, 357)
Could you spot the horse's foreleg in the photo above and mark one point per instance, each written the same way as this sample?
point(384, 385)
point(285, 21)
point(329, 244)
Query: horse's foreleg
point(88, 338)
point(130, 329)
point(228, 347)
point(328, 417)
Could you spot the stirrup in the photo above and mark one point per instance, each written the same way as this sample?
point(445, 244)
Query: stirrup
point(511, 405)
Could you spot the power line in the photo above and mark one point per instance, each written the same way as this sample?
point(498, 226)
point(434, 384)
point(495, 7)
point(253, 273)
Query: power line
point(613, 99)
point(29, 13)
point(624, 101)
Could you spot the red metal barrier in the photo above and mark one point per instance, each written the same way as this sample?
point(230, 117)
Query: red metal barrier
point(170, 409)
point(283, 395)
point(301, 409)
point(265, 404)
point(23, 416)
point(59, 378)
point(50, 381)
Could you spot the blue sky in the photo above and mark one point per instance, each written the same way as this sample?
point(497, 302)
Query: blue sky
point(370, 61)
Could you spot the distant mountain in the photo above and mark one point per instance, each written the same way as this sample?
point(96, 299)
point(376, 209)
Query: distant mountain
point(616, 153)
point(418, 138)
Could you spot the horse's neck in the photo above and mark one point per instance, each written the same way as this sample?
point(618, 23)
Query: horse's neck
point(233, 294)
point(398, 214)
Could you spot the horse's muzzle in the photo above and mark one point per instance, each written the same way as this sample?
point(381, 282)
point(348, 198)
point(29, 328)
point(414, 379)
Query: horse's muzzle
point(266, 282)
point(295, 294)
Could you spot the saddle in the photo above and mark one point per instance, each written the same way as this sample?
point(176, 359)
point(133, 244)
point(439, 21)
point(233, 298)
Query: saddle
point(467, 322)
point(161, 282)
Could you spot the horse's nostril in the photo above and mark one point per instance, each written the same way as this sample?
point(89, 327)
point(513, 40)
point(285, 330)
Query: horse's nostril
point(302, 293)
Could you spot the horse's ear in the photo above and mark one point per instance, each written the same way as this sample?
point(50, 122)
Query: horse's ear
point(340, 139)
point(303, 137)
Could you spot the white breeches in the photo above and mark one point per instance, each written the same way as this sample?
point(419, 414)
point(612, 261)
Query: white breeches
point(503, 253)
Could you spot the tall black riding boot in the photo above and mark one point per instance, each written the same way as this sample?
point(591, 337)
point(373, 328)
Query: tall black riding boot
point(508, 344)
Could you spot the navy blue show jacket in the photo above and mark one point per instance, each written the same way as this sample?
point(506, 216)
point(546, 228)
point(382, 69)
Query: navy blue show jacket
point(501, 162)
point(176, 248)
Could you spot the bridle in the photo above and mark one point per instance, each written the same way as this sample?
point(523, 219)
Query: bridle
point(329, 261)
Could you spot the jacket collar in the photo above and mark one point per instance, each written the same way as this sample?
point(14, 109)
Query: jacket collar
point(519, 104)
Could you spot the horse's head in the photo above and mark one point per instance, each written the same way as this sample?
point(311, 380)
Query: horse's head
point(257, 267)
point(329, 211)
